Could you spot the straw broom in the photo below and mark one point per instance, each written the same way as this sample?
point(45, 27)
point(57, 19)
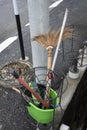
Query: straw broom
point(48, 41)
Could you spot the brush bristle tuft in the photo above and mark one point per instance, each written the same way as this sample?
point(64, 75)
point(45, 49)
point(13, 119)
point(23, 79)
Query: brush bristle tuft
point(51, 38)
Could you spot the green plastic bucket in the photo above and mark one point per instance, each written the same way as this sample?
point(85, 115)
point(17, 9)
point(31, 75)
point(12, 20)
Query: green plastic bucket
point(43, 116)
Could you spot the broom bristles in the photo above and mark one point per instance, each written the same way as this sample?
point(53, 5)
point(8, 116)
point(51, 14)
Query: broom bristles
point(51, 38)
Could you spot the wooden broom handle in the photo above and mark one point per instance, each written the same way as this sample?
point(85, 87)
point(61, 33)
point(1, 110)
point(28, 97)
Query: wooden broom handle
point(49, 64)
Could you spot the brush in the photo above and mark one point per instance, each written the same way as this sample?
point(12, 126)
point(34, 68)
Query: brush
point(48, 41)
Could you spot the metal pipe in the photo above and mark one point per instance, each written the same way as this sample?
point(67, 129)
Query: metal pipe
point(17, 17)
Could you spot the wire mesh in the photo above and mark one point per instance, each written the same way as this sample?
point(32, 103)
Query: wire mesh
point(37, 79)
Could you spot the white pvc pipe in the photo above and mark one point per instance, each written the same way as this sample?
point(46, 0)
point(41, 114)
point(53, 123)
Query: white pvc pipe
point(60, 38)
point(15, 6)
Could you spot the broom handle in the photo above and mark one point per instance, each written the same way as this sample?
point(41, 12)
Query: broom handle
point(29, 88)
point(33, 92)
point(49, 66)
point(60, 38)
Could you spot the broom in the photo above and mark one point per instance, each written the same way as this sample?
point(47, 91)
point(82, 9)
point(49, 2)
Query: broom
point(48, 41)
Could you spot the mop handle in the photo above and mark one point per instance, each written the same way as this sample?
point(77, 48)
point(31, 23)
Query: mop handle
point(29, 88)
point(60, 38)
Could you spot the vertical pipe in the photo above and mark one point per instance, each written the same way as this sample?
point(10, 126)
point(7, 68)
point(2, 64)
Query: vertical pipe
point(17, 17)
point(38, 11)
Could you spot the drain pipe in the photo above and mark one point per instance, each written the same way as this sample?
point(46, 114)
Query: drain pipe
point(17, 17)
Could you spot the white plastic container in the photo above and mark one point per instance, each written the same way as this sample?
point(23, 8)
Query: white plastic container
point(64, 127)
point(74, 74)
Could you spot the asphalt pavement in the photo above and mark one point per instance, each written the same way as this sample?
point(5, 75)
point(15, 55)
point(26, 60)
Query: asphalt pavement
point(13, 115)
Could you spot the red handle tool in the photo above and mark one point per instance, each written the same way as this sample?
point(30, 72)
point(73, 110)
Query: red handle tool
point(29, 88)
